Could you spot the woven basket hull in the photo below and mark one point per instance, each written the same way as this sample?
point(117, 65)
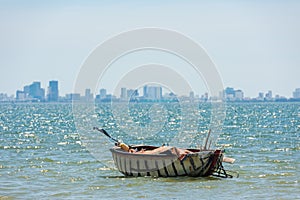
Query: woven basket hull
point(197, 163)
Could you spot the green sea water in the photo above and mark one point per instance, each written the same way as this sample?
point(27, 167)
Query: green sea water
point(43, 154)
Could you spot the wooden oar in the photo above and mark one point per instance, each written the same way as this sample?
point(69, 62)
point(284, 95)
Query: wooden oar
point(105, 133)
point(117, 142)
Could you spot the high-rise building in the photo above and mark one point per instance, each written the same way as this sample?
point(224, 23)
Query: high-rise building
point(145, 91)
point(229, 93)
point(296, 93)
point(88, 95)
point(123, 95)
point(20, 95)
point(102, 93)
point(36, 92)
point(52, 91)
point(154, 92)
point(269, 95)
point(238, 95)
point(260, 96)
point(26, 90)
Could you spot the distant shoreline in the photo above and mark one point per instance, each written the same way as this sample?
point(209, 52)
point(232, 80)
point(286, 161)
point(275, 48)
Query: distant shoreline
point(154, 102)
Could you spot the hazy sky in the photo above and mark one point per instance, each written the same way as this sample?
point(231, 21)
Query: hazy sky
point(254, 44)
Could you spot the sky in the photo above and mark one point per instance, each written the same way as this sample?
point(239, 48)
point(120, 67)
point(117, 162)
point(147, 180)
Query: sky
point(255, 45)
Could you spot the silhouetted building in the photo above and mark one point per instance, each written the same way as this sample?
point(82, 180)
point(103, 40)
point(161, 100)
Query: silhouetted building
point(153, 92)
point(145, 91)
point(230, 94)
point(260, 96)
point(238, 95)
point(36, 92)
point(102, 93)
point(269, 96)
point(20, 95)
point(52, 91)
point(296, 93)
point(123, 95)
point(88, 95)
point(26, 90)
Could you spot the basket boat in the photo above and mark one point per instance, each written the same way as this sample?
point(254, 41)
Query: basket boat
point(168, 162)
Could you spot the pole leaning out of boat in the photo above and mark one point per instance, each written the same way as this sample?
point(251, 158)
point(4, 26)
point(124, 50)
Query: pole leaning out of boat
point(117, 142)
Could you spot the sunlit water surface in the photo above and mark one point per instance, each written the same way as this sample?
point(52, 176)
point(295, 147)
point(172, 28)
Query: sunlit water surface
point(42, 155)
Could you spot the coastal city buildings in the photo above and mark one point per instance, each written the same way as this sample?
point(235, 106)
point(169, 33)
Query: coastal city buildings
point(123, 95)
point(152, 92)
point(102, 93)
point(5, 98)
point(296, 93)
point(72, 97)
point(36, 92)
point(32, 92)
point(52, 95)
point(89, 97)
point(230, 94)
point(148, 93)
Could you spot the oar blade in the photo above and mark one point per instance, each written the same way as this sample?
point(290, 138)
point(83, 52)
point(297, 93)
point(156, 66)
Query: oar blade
point(105, 133)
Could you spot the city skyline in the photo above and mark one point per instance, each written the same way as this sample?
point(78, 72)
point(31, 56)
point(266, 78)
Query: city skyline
point(46, 85)
point(35, 92)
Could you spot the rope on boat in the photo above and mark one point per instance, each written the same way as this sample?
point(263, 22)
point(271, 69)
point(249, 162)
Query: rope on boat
point(221, 172)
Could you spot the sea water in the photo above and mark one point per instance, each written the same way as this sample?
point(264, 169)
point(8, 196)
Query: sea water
point(43, 155)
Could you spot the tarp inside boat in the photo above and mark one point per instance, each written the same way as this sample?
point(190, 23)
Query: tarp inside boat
point(166, 150)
